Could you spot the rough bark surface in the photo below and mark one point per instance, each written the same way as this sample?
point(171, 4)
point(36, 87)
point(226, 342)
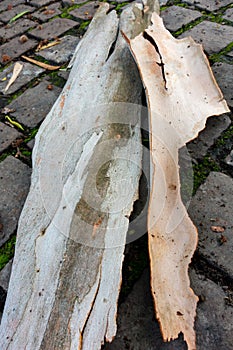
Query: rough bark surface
point(181, 93)
point(66, 274)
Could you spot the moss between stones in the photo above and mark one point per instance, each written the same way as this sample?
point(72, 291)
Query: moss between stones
point(119, 6)
point(7, 251)
point(56, 79)
point(182, 5)
point(39, 58)
point(66, 10)
point(202, 170)
point(84, 25)
point(212, 17)
point(228, 134)
point(31, 134)
point(217, 57)
point(188, 26)
point(4, 155)
point(15, 95)
point(26, 152)
point(162, 8)
point(215, 18)
point(175, 2)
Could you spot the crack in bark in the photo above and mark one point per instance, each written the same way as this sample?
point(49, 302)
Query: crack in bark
point(161, 63)
point(92, 305)
point(112, 47)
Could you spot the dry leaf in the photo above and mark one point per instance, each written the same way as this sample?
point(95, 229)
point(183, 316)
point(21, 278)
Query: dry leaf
point(5, 58)
point(14, 123)
point(217, 229)
point(181, 93)
point(41, 64)
point(222, 239)
point(7, 110)
point(23, 39)
point(16, 143)
point(16, 71)
point(53, 43)
point(18, 16)
point(49, 12)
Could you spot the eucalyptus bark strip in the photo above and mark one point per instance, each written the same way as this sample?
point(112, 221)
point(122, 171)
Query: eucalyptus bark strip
point(66, 274)
point(181, 93)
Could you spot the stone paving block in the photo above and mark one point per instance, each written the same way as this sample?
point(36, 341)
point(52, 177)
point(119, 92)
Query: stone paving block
point(175, 17)
point(229, 15)
point(39, 3)
point(138, 329)
point(28, 73)
point(211, 210)
point(8, 4)
point(53, 29)
point(86, 11)
point(15, 48)
point(199, 147)
point(14, 186)
point(8, 15)
point(48, 12)
point(213, 36)
point(7, 136)
point(213, 325)
point(5, 274)
point(16, 28)
point(210, 5)
point(62, 52)
point(223, 73)
point(34, 104)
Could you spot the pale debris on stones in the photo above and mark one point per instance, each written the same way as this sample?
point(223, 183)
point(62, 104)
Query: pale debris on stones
point(181, 93)
point(16, 71)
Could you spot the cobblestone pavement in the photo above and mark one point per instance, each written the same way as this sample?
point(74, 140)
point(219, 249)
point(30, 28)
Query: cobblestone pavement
point(25, 104)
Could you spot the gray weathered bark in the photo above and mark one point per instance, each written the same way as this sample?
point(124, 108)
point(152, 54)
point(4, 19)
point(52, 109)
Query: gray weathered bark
point(66, 274)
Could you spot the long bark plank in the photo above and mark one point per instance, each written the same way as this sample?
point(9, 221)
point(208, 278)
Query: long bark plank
point(66, 274)
point(181, 93)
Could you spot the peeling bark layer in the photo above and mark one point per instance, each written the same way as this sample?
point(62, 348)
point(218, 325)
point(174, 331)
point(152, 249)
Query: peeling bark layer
point(66, 274)
point(181, 93)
